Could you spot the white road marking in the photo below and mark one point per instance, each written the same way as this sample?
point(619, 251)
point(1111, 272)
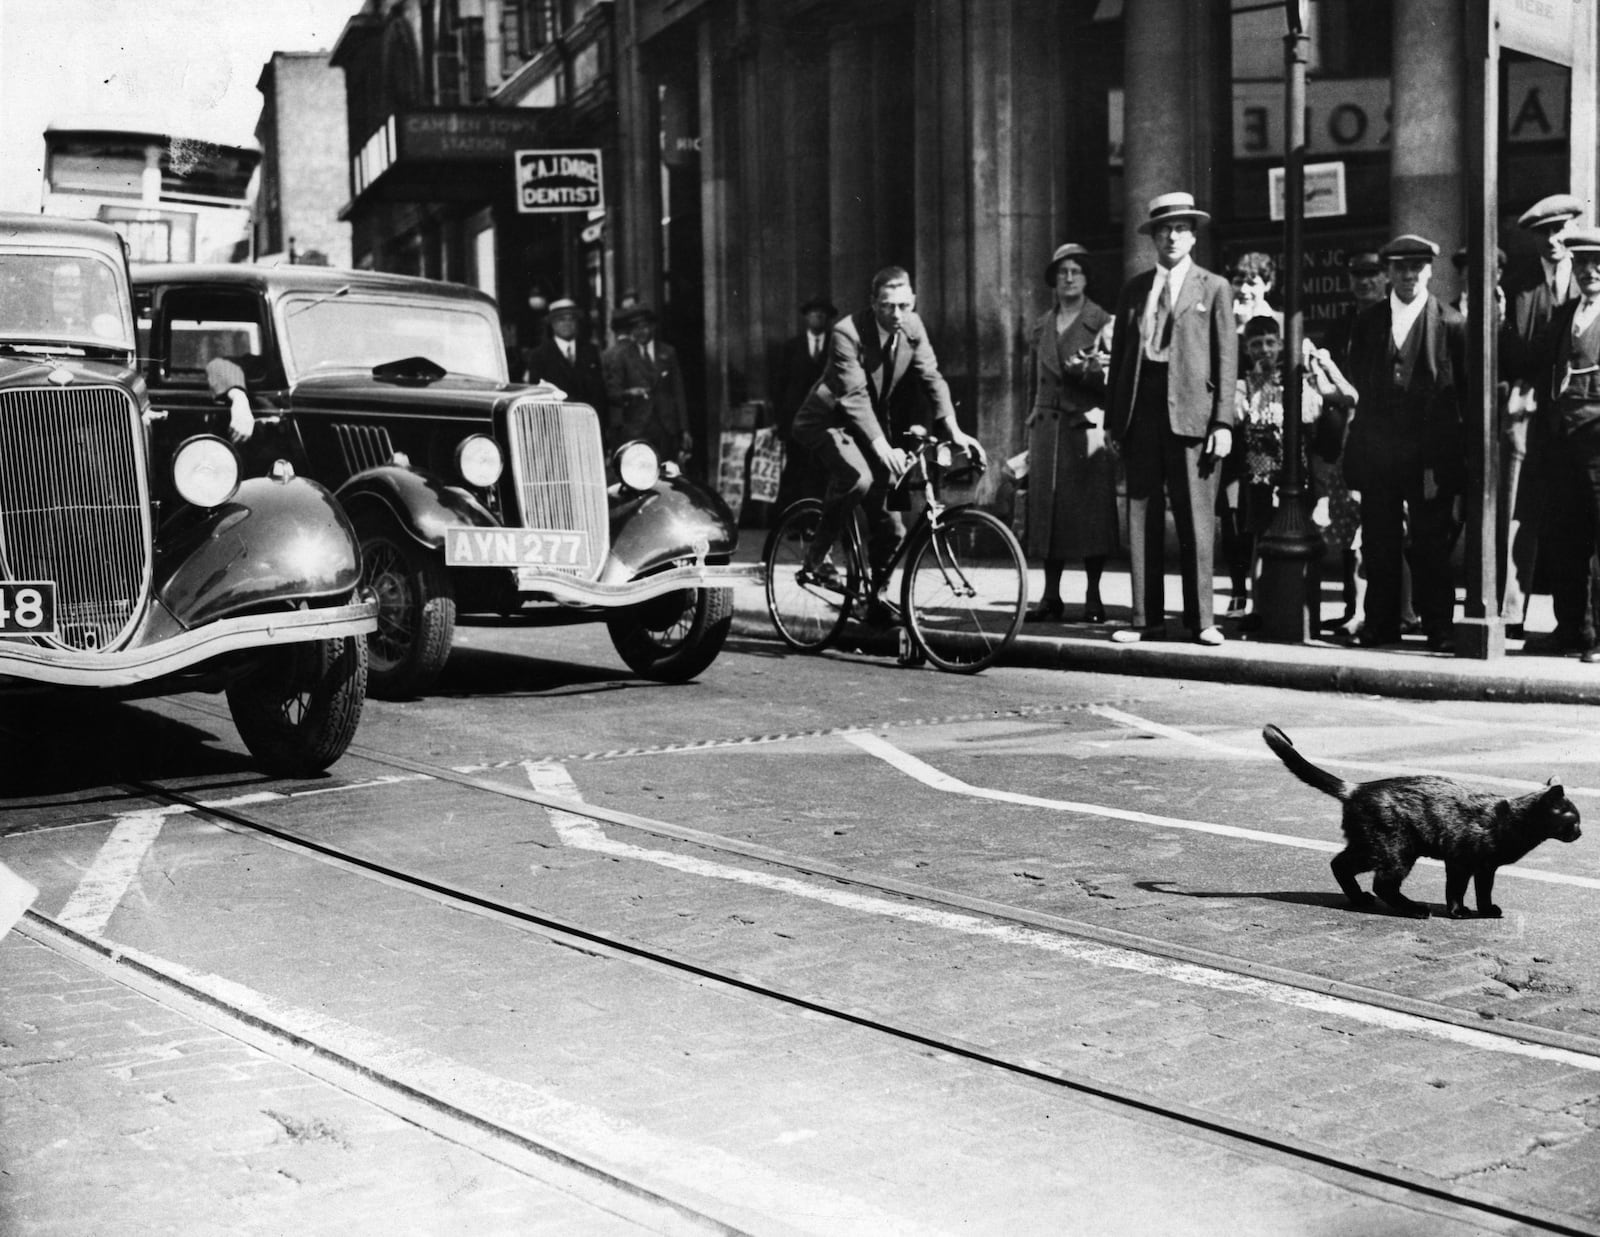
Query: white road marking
point(699, 1174)
point(583, 834)
point(929, 776)
point(89, 908)
point(1366, 766)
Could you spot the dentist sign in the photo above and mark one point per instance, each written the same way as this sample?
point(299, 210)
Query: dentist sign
point(558, 180)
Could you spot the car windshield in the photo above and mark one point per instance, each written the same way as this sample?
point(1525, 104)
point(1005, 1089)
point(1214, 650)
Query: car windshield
point(340, 330)
point(66, 301)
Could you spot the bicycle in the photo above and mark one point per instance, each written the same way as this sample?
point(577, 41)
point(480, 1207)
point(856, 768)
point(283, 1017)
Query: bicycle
point(963, 578)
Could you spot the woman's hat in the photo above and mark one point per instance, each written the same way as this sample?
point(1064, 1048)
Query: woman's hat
point(1166, 207)
point(1062, 253)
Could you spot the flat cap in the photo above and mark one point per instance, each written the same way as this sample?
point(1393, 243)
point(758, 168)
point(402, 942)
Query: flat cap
point(565, 305)
point(1409, 245)
point(1364, 262)
point(1552, 211)
point(1166, 207)
point(1582, 240)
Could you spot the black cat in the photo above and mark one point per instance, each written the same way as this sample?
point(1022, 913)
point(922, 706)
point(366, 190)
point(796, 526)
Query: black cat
point(1390, 824)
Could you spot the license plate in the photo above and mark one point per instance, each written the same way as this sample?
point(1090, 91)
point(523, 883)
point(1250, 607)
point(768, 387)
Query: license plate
point(27, 608)
point(516, 547)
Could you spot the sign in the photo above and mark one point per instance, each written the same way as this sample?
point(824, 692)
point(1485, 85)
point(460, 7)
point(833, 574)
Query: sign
point(1343, 116)
point(766, 466)
point(470, 546)
point(731, 468)
point(558, 180)
point(1324, 195)
point(1542, 28)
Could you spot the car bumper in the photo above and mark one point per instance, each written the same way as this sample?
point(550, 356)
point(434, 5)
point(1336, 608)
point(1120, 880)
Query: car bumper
point(565, 588)
point(130, 667)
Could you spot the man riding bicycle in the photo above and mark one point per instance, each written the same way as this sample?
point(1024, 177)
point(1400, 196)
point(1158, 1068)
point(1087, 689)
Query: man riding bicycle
point(854, 406)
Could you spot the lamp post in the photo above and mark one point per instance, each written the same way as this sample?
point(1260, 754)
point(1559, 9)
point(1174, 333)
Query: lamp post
point(1291, 544)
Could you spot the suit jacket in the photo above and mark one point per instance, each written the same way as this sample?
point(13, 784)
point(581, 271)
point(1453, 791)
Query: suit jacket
point(662, 412)
point(580, 379)
point(1432, 439)
point(799, 372)
point(1529, 309)
point(1203, 363)
point(1054, 387)
point(849, 394)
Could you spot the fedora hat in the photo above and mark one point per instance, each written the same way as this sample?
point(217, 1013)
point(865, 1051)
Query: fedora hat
point(820, 304)
point(1062, 253)
point(1166, 207)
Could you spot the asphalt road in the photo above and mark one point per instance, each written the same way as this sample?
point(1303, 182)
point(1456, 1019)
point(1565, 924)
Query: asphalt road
point(1135, 894)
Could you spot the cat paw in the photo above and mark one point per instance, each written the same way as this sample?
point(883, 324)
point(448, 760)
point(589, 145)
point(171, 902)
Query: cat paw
point(1489, 912)
point(1361, 900)
point(1458, 911)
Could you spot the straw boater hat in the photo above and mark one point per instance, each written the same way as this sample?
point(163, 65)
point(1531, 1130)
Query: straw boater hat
point(1062, 253)
point(1166, 207)
point(565, 305)
point(1555, 211)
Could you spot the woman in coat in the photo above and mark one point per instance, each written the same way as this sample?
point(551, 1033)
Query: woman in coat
point(1072, 498)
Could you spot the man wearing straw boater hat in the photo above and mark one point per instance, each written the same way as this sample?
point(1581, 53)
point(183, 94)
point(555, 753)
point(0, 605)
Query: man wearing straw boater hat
point(1174, 360)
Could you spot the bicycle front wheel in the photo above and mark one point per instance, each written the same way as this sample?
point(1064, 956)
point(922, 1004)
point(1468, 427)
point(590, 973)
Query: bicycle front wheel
point(965, 590)
point(807, 614)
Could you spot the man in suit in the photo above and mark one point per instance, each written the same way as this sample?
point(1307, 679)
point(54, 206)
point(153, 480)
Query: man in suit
point(1566, 358)
point(799, 367)
point(1405, 451)
point(570, 363)
point(1524, 448)
point(644, 387)
point(1174, 362)
point(879, 361)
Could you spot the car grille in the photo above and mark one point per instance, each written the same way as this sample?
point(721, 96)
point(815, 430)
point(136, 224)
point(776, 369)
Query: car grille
point(559, 469)
point(74, 507)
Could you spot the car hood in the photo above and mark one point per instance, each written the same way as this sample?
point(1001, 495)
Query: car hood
point(22, 370)
point(453, 395)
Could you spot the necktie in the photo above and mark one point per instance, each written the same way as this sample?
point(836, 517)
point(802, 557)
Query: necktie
point(816, 346)
point(888, 366)
point(1161, 329)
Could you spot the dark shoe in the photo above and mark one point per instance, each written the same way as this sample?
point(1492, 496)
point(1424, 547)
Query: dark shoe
point(1049, 610)
point(1515, 631)
point(1554, 643)
point(880, 612)
point(1094, 612)
point(1250, 622)
point(1442, 643)
point(1369, 639)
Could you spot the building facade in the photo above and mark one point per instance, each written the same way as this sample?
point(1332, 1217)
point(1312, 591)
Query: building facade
point(304, 161)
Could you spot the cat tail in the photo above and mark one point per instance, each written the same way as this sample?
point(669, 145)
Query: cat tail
point(1302, 768)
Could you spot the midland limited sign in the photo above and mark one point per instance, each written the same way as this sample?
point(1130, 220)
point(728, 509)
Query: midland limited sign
point(558, 180)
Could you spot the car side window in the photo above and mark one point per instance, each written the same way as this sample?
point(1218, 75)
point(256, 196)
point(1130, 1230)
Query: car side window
point(199, 329)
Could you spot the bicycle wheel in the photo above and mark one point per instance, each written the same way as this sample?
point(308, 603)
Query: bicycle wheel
point(965, 590)
point(807, 615)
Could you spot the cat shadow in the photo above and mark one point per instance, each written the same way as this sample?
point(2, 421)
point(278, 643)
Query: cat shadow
point(1332, 900)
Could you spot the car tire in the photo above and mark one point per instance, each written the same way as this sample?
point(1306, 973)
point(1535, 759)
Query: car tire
point(674, 637)
point(416, 611)
point(298, 709)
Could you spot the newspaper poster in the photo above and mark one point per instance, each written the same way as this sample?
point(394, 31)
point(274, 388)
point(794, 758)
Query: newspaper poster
point(731, 468)
point(766, 466)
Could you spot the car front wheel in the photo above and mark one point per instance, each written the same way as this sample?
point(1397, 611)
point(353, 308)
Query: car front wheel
point(416, 611)
point(297, 711)
point(674, 637)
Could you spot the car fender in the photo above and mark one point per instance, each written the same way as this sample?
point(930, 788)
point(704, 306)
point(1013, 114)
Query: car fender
point(276, 540)
point(672, 521)
point(421, 505)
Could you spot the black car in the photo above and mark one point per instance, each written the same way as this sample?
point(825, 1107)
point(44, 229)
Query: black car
point(470, 495)
point(135, 558)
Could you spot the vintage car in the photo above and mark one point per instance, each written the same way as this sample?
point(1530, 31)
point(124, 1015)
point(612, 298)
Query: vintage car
point(135, 558)
point(470, 495)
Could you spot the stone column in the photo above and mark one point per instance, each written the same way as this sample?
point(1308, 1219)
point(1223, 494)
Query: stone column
point(1427, 168)
point(850, 196)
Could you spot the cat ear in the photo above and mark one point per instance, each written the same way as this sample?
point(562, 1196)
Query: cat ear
point(1556, 791)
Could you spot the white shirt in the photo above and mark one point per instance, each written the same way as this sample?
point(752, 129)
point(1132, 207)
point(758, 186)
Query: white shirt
point(817, 340)
point(1588, 311)
point(1560, 274)
point(1403, 317)
point(1173, 280)
point(569, 349)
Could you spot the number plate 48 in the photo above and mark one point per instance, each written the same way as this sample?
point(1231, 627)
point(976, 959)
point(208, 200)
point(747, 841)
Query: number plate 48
point(27, 608)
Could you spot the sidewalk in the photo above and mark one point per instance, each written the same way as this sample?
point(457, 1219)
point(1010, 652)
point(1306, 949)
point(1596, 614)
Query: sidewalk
point(1407, 669)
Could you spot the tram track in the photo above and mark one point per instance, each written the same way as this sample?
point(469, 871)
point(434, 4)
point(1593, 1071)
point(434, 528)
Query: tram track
point(1386, 1176)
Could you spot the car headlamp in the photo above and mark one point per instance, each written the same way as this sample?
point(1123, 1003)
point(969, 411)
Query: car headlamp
point(637, 465)
point(479, 461)
point(206, 471)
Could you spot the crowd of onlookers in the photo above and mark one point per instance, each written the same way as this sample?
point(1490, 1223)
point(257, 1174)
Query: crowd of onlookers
point(1173, 400)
